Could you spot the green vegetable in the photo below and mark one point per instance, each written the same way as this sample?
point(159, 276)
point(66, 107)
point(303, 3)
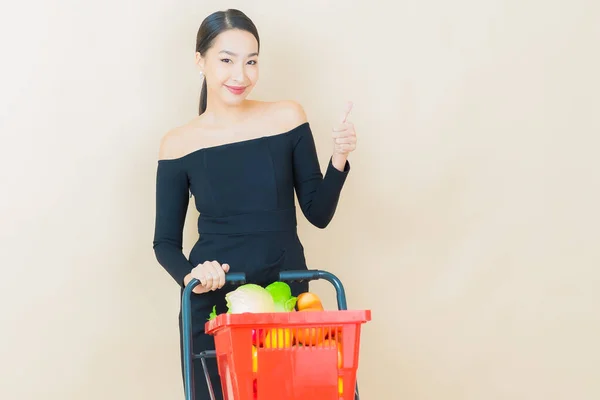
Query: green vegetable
point(213, 314)
point(250, 298)
point(282, 296)
point(277, 297)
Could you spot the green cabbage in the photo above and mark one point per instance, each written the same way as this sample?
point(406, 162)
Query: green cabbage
point(249, 298)
point(277, 297)
point(282, 296)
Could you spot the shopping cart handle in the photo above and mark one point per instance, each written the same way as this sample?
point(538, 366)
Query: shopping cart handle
point(232, 278)
point(299, 276)
point(313, 275)
point(235, 278)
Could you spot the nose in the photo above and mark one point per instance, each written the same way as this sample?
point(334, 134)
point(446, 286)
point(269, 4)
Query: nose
point(239, 73)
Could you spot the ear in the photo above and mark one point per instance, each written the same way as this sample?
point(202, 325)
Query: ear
point(199, 61)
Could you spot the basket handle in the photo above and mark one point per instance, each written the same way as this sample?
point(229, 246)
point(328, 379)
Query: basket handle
point(313, 275)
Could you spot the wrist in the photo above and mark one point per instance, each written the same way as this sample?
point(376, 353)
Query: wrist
point(339, 161)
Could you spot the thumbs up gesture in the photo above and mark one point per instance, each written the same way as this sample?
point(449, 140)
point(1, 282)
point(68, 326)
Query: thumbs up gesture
point(344, 138)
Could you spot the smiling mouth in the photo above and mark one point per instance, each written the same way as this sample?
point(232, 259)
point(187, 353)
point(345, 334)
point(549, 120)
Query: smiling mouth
point(236, 89)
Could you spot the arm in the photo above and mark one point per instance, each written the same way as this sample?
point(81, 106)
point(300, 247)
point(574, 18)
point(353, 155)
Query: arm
point(172, 198)
point(317, 195)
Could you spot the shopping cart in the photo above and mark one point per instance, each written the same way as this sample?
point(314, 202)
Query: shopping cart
point(280, 356)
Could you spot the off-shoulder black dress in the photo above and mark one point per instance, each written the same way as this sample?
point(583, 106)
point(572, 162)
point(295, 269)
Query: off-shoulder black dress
point(244, 192)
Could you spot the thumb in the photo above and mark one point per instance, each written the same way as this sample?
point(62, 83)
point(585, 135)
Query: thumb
point(346, 112)
point(225, 267)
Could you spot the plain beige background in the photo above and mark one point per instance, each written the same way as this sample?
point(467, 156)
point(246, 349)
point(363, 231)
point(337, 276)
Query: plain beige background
point(469, 223)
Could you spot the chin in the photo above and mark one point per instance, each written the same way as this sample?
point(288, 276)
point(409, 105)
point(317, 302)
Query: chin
point(234, 99)
point(234, 102)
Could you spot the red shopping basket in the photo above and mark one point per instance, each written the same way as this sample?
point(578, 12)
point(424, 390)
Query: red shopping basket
point(292, 356)
point(284, 355)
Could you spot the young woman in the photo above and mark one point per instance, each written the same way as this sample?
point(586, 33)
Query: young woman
point(242, 161)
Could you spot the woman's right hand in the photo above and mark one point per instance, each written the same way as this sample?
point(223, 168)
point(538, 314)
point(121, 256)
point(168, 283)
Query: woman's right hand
point(211, 275)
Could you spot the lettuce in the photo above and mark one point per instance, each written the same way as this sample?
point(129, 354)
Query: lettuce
point(277, 297)
point(282, 296)
point(249, 298)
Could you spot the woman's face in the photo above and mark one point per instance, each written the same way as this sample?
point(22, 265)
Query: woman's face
point(230, 66)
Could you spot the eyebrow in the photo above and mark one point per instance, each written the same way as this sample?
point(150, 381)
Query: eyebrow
point(235, 55)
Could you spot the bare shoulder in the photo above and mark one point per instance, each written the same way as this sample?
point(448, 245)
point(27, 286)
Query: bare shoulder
point(288, 114)
point(176, 142)
point(290, 111)
point(170, 144)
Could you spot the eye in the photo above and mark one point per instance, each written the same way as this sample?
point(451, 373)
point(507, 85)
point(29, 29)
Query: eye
point(225, 60)
point(252, 62)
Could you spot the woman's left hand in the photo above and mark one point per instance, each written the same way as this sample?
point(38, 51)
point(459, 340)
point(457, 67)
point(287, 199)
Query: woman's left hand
point(344, 139)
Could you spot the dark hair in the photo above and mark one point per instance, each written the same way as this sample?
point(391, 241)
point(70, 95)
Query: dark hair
point(216, 23)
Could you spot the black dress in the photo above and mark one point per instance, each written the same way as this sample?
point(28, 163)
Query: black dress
point(244, 192)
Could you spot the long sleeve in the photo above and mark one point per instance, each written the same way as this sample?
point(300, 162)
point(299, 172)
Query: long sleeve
point(172, 198)
point(317, 195)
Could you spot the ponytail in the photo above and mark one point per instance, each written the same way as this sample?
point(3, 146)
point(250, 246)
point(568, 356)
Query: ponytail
point(203, 94)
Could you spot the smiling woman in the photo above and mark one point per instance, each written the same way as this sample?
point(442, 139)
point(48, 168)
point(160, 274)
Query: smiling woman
point(242, 160)
point(227, 48)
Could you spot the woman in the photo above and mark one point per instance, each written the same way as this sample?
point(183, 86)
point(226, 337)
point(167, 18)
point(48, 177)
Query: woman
point(241, 160)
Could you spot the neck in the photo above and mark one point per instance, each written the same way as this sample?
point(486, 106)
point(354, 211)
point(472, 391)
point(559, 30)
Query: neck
point(224, 114)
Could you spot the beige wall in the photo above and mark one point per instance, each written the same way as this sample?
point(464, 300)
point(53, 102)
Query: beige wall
point(469, 223)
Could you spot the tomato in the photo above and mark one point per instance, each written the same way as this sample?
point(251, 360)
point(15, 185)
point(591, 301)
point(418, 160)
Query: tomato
point(258, 337)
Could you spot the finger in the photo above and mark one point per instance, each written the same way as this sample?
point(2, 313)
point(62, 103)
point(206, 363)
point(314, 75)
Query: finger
point(215, 283)
point(345, 126)
point(209, 280)
point(345, 147)
point(214, 267)
point(219, 276)
point(346, 112)
point(344, 135)
point(197, 273)
point(225, 267)
point(202, 279)
point(214, 275)
point(221, 280)
point(206, 280)
point(346, 139)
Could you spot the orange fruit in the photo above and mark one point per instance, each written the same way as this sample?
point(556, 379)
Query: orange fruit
point(334, 343)
point(308, 300)
point(310, 336)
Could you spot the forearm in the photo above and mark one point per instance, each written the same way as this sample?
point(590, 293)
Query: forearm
point(339, 161)
point(173, 261)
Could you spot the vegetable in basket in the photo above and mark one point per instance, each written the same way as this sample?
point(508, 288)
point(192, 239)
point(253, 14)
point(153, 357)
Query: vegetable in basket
point(277, 297)
point(282, 296)
point(249, 298)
